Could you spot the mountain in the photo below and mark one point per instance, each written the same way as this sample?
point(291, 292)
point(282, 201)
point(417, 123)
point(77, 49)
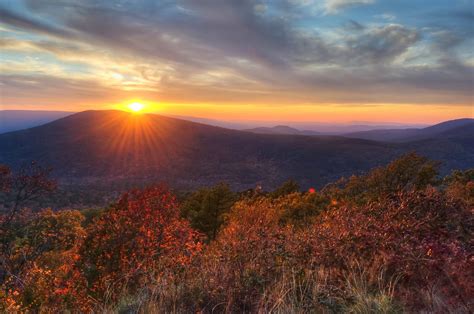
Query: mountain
point(458, 132)
point(281, 129)
point(236, 125)
point(289, 127)
point(112, 147)
point(453, 128)
point(12, 120)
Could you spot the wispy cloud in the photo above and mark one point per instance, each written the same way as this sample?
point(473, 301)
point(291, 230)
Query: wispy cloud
point(334, 6)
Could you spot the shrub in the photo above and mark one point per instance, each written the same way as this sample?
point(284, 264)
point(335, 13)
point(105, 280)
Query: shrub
point(247, 256)
point(460, 185)
point(300, 209)
point(139, 239)
point(40, 264)
point(421, 235)
point(409, 172)
point(288, 187)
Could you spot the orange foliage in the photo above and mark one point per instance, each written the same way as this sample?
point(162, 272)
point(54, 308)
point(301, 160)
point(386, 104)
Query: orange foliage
point(248, 254)
point(40, 264)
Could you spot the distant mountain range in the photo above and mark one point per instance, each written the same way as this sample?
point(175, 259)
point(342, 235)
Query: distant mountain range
point(308, 128)
point(448, 128)
point(109, 147)
point(281, 129)
point(13, 120)
point(456, 128)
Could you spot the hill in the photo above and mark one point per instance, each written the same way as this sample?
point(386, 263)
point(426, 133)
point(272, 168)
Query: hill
point(319, 128)
point(13, 120)
point(453, 128)
point(281, 129)
point(109, 147)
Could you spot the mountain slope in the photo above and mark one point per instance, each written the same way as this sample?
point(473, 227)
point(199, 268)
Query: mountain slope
point(458, 132)
point(453, 128)
point(114, 146)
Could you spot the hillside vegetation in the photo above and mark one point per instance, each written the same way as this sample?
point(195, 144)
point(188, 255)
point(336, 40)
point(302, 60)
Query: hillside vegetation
point(396, 239)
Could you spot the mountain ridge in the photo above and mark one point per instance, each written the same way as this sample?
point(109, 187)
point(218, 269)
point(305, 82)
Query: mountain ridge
point(113, 146)
point(282, 129)
point(411, 134)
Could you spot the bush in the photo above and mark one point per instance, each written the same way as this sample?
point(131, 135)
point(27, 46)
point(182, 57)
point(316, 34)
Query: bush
point(300, 209)
point(460, 185)
point(41, 260)
point(138, 239)
point(409, 172)
point(245, 258)
point(421, 235)
point(288, 187)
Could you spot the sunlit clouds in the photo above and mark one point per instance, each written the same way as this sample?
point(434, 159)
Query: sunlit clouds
point(206, 58)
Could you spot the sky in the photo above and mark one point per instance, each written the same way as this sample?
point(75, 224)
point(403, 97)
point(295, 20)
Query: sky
point(404, 61)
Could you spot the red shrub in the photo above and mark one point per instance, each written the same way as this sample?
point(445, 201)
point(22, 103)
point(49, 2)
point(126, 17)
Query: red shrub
point(137, 239)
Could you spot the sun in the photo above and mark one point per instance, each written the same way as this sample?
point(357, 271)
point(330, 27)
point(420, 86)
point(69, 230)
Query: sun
point(136, 106)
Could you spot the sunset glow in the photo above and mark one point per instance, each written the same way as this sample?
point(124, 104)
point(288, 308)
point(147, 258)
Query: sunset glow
point(320, 61)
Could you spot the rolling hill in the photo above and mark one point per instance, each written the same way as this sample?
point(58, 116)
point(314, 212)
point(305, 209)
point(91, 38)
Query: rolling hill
point(281, 129)
point(105, 147)
point(453, 128)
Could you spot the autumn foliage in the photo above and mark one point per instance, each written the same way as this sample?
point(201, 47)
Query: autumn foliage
point(398, 238)
point(136, 241)
point(422, 237)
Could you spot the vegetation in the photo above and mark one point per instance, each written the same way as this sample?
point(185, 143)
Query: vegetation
point(397, 239)
point(207, 208)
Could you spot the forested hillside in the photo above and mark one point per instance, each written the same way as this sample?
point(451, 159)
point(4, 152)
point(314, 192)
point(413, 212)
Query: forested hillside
point(113, 148)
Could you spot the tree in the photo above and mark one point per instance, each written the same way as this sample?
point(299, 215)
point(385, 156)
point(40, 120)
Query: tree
point(17, 189)
point(206, 208)
point(30, 183)
point(288, 187)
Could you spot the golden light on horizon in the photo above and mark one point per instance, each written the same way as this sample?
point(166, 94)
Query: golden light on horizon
point(136, 107)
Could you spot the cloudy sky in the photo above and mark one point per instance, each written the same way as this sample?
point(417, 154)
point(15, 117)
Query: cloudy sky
point(292, 60)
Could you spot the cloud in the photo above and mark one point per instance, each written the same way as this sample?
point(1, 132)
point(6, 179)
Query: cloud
point(228, 51)
point(334, 6)
point(380, 44)
point(386, 16)
point(17, 20)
